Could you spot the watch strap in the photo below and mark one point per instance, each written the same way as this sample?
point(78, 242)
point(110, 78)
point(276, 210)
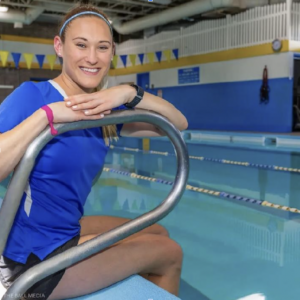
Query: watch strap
point(139, 96)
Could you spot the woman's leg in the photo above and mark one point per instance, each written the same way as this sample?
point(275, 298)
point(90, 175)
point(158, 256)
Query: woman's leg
point(100, 224)
point(152, 254)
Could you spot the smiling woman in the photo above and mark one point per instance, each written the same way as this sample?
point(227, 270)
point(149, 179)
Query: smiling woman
point(86, 48)
point(89, 46)
point(51, 210)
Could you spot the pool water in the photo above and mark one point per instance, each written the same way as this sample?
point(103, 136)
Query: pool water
point(232, 250)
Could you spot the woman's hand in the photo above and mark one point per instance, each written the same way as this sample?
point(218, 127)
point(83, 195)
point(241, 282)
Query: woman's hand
point(101, 102)
point(63, 114)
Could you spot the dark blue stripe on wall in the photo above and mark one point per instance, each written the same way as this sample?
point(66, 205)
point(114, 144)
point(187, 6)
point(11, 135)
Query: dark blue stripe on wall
point(234, 105)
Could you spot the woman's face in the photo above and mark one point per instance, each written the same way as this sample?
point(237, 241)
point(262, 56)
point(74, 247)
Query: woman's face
point(86, 52)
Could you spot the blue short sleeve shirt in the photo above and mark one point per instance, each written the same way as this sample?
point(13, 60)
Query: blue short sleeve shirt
point(61, 180)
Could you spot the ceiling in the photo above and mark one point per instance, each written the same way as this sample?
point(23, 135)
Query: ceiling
point(123, 10)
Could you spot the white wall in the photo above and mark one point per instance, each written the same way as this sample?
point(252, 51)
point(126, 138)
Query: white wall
point(279, 66)
point(116, 80)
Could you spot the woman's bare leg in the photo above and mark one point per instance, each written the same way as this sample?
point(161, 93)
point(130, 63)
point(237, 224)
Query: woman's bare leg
point(101, 224)
point(152, 254)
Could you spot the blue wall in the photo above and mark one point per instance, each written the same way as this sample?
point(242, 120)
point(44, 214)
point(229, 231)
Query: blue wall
point(235, 105)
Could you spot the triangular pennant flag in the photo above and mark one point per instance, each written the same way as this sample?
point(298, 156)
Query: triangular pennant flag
point(141, 57)
point(40, 58)
point(132, 58)
point(151, 57)
point(16, 58)
point(28, 58)
point(117, 205)
point(4, 57)
point(97, 206)
point(107, 205)
point(124, 59)
point(125, 205)
point(158, 55)
point(134, 205)
point(115, 61)
point(167, 54)
point(152, 204)
point(143, 205)
point(175, 51)
point(51, 59)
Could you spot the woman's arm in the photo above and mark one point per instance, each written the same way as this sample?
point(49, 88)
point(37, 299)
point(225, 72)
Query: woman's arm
point(106, 100)
point(14, 143)
point(158, 105)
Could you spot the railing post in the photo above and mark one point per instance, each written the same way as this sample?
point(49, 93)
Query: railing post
point(288, 20)
point(228, 32)
point(73, 255)
point(181, 48)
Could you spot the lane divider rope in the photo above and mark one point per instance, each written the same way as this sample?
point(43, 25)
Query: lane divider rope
point(206, 191)
point(221, 161)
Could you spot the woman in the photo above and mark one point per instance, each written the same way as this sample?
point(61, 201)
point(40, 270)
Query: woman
point(50, 218)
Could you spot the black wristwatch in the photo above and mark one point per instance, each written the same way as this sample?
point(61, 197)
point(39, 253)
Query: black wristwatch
point(139, 96)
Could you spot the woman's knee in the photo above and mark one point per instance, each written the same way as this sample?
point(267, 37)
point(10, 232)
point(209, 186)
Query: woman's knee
point(175, 252)
point(173, 255)
point(170, 249)
point(161, 230)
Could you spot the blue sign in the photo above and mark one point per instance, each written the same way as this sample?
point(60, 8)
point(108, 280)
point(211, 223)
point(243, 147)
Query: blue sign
point(189, 75)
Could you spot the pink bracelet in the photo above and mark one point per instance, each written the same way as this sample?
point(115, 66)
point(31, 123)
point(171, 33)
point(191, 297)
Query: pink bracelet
point(49, 113)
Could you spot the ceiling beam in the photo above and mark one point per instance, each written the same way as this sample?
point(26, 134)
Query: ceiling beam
point(61, 7)
point(135, 3)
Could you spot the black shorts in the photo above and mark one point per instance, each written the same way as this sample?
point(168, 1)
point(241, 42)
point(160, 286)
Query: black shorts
point(11, 270)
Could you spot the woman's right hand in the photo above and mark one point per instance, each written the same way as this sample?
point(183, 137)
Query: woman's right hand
point(63, 114)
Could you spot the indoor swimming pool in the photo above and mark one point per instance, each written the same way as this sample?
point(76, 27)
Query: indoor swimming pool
point(234, 247)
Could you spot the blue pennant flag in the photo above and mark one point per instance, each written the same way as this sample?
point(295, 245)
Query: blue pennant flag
point(158, 55)
point(175, 51)
point(16, 57)
point(107, 205)
point(141, 57)
point(143, 205)
point(126, 205)
point(40, 58)
point(124, 59)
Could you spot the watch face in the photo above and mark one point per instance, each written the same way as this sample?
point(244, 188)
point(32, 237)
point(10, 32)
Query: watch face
point(276, 45)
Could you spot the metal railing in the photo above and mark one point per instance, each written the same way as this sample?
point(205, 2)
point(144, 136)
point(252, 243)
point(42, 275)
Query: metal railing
point(71, 256)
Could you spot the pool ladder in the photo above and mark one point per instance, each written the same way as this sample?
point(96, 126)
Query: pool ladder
point(71, 256)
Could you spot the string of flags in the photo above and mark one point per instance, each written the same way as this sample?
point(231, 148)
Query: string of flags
point(51, 58)
point(151, 57)
point(28, 57)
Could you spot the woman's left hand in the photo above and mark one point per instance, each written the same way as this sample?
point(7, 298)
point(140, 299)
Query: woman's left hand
point(102, 101)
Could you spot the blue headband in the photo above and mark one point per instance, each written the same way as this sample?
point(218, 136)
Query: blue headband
point(85, 13)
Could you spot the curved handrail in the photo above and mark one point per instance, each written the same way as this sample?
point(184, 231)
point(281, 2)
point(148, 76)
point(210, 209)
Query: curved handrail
point(71, 256)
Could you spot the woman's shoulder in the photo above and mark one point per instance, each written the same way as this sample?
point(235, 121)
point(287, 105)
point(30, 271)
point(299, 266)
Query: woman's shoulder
point(31, 86)
point(19, 105)
point(25, 96)
point(23, 90)
point(30, 93)
point(26, 89)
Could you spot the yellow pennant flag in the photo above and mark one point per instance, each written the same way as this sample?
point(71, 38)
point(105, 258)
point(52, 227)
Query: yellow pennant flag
point(4, 57)
point(28, 58)
point(51, 59)
point(115, 61)
point(132, 58)
point(151, 57)
point(167, 54)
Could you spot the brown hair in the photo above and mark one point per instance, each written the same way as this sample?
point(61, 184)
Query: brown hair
point(110, 131)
